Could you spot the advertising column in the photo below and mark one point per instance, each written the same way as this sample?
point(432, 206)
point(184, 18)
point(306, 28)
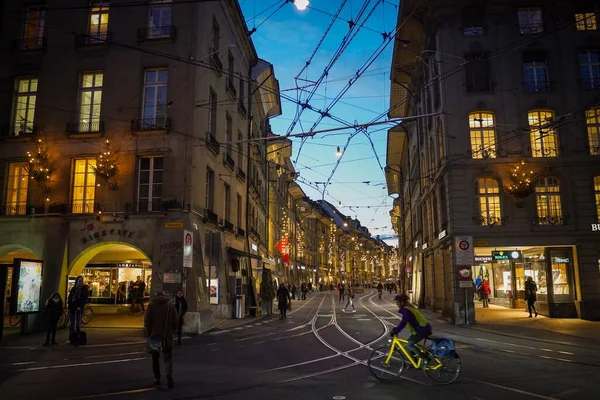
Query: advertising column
point(26, 289)
point(464, 308)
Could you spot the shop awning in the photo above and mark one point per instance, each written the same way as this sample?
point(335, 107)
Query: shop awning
point(241, 253)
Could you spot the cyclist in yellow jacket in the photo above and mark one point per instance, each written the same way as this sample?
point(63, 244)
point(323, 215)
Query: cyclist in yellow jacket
point(417, 323)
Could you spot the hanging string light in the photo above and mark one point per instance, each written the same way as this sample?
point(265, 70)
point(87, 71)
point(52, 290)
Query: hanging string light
point(106, 166)
point(521, 183)
point(40, 168)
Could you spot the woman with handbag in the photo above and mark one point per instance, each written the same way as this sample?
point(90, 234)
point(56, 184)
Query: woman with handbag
point(160, 322)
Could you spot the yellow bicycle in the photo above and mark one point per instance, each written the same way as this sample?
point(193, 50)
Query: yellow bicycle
point(387, 362)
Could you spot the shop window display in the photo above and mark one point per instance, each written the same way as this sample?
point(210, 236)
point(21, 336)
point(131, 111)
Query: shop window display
point(112, 283)
point(561, 270)
point(502, 279)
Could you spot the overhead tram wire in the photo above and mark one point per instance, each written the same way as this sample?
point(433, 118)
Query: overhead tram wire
point(337, 54)
point(126, 4)
point(364, 68)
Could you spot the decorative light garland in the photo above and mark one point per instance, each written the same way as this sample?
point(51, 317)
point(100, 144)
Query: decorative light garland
point(106, 167)
point(40, 168)
point(521, 182)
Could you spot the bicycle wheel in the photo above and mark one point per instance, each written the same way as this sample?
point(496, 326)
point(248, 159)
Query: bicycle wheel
point(443, 371)
point(14, 320)
point(87, 316)
point(380, 370)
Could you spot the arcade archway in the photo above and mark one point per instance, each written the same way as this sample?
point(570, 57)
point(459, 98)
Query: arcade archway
point(119, 278)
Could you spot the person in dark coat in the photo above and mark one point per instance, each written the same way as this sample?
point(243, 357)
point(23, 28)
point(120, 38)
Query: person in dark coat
point(293, 291)
point(78, 298)
point(181, 306)
point(283, 296)
point(531, 295)
point(137, 292)
point(161, 318)
point(54, 308)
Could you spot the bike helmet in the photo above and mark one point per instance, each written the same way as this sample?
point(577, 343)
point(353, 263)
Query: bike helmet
point(403, 298)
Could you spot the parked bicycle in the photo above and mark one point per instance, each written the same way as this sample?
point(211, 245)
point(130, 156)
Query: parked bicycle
point(86, 317)
point(387, 362)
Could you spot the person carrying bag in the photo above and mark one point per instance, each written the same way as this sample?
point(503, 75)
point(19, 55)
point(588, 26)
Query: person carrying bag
point(160, 322)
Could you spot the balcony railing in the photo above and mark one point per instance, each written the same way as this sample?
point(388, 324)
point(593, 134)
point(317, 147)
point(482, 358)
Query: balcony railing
point(228, 161)
point(151, 124)
point(241, 232)
point(590, 83)
point(30, 44)
point(157, 33)
point(85, 127)
point(241, 175)
point(78, 208)
point(211, 217)
point(535, 87)
point(472, 31)
point(213, 144)
point(21, 130)
point(153, 205)
point(93, 39)
point(531, 29)
point(15, 210)
point(230, 87)
point(484, 87)
point(550, 220)
point(489, 221)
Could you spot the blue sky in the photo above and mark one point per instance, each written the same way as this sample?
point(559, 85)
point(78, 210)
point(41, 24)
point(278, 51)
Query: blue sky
point(287, 39)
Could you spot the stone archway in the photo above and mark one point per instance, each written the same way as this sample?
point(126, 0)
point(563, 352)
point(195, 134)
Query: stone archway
point(82, 259)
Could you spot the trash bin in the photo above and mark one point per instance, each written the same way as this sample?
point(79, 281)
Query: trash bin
point(240, 306)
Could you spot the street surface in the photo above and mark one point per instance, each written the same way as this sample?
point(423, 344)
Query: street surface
point(319, 352)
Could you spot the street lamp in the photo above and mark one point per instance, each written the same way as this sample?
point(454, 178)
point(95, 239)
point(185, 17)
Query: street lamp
point(301, 4)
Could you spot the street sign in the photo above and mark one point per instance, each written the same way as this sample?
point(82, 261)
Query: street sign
point(188, 246)
point(465, 284)
point(464, 273)
point(463, 248)
point(174, 225)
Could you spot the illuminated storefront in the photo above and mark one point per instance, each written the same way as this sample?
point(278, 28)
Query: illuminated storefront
point(552, 269)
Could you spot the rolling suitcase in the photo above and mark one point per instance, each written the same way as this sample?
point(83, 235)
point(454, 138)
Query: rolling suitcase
point(79, 338)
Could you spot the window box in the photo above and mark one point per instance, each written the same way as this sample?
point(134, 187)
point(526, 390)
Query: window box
point(211, 217)
point(241, 232)
point(229, 226)
point(161, 124)
point(168, 32)
point(228, 161)
point(94, 39)
point(30, 44)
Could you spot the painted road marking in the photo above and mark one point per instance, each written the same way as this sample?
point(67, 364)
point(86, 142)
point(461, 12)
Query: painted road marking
point(115, 393)
point(82, 364)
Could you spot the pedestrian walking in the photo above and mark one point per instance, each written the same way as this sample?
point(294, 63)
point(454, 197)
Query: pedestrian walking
point(160, 322)
point(78, 298)
point(484, 292)
point(137, 292)
point(293, 291)
point(54, 308)
point(283, 296)
point(303, 289)
point(181, 306)
point(350, 302)
point(341, 292)
point(531, 295)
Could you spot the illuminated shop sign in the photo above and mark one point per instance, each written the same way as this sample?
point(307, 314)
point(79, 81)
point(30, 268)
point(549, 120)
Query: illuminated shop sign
point(595, 227)
point(129, 265)
point(503, 255)
point(561, 260)
point(484, 259)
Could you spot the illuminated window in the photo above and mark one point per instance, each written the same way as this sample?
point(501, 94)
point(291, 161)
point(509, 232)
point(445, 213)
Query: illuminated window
point(597, 195)
point(84, 186)
point(488, 201)
point(547, 196)
point(24, 108)
point(586, 21)
point(154, 110)
point(530, 20)
point(544, 140)
point(98, 28)
point(90, 101)
point(150, 183)
point(16, 194)
point(592, 118)
point(483, 135)
point(159, 19)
